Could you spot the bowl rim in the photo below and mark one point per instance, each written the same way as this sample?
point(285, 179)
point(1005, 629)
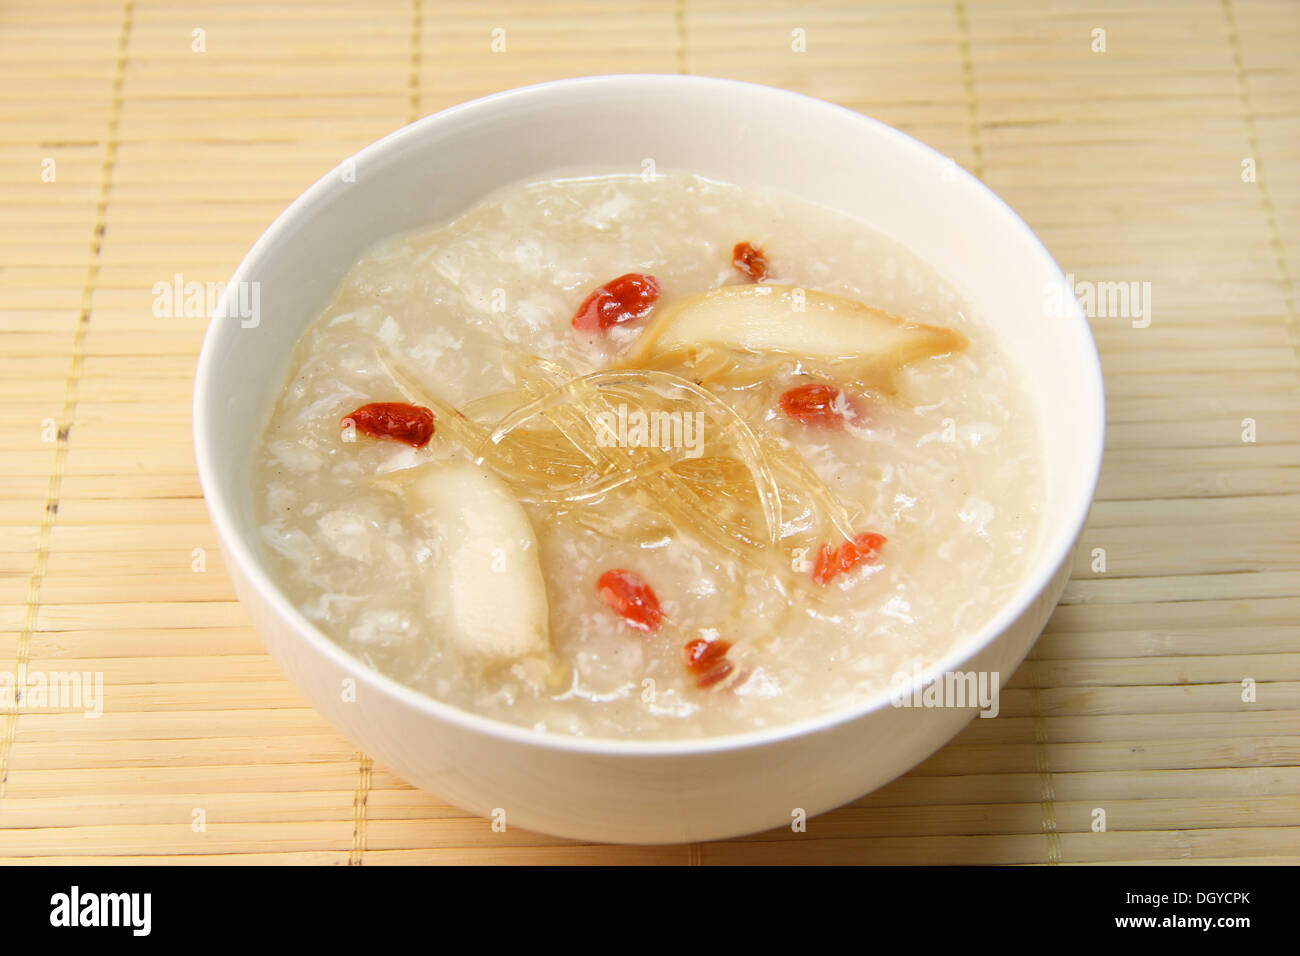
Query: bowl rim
point(1055, 550)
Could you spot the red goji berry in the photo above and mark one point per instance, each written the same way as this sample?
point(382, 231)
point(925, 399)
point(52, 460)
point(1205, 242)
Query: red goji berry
point(715, 674)
point(832, 562)
point(821, 405)
point(629, 595)
point(412, 424)
point(708, 661)
point(620, 300)
point(750, 260)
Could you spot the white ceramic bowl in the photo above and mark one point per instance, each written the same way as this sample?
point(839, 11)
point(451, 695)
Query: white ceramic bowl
point(644, 791)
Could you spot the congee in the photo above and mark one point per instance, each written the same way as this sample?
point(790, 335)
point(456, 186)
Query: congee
point(648, 457)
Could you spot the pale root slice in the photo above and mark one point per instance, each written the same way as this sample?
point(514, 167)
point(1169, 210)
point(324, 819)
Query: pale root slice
point(487, 592)
point(864, 344)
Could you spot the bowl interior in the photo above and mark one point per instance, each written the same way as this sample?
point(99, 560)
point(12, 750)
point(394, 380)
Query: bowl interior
point(728, 130)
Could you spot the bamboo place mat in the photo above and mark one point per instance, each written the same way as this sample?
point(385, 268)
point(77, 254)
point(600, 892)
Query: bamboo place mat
point(1133, 164)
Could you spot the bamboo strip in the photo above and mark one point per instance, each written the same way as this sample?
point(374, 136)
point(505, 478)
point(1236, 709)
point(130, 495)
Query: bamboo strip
point(1282, 751)
point(254, 857)
point(1209, 512)
point(1012, 819)
point(990, 788)
point(1086, 645)
point(56, 646)
point(1183, 587)
point(1011, 849)
point(267, 777)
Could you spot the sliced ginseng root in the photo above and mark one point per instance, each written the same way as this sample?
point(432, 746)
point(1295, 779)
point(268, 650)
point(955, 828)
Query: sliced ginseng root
point(486, 589)
point(620, 300)
point(868, 345)
point(832, 562)
point(412, 424)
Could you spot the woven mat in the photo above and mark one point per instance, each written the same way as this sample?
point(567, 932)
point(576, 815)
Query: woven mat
point(146, 140)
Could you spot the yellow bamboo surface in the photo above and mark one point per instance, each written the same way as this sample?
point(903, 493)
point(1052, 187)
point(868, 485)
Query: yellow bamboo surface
point(128, 156)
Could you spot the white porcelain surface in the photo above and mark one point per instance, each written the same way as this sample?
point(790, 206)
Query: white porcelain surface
point(637, 791)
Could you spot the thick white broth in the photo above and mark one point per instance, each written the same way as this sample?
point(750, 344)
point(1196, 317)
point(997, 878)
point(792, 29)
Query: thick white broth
point(946, 469)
